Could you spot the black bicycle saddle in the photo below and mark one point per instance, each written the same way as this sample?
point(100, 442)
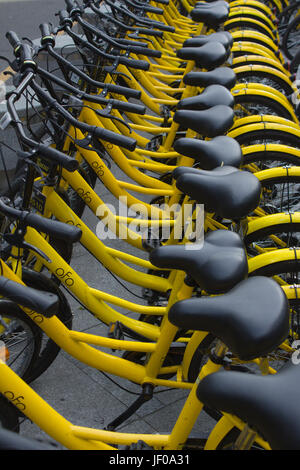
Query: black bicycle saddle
point(211, 96)
point(224, 76)
point(224, 37)
point(225, 191)
point(210, 154)
point(269, 404)
point(211, 14)
point(216, 266)
point(211, 122)
point(252, 319)
point(208, 56)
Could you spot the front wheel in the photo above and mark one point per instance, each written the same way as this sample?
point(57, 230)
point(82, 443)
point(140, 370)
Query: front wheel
point(20, 339)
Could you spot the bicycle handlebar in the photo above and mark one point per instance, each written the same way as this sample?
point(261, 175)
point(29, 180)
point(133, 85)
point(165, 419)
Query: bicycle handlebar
point(129, 46)
point(130, 63)
point(53, 228)
point(41, 302)
point(99, 132)
point(118, 89)
point(116, 104)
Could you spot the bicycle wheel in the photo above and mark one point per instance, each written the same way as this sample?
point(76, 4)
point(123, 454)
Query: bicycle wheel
point(21, 339)
point(244, 23)
point(291, 39)
point(272, 237)
point(258, 59)
point(280, 193)
point(256, 38)
point(250, 104)
point(49, 349)
point(265, 76)
point(261, 156)
point(266, 133)
point(252, 14)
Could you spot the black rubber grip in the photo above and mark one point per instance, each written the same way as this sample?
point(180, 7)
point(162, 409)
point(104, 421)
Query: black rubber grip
point(151, 9)
point(45, 29)
point(71, 5)
point(128, 42)
point(149, 32)
point(26, 53)
point(64, 18)
point(60, 158)
point(13, 40)
point(42, 302)
point(161, 26)
point(145, 51)
point(116, 139)
point(121, 90)
point(54, 228)
point(134, 64)
point(128, 107)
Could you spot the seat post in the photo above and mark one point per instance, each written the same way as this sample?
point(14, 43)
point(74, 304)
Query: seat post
point(245, 439)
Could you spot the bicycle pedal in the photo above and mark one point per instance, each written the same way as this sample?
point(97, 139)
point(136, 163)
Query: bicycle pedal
point(139, 445)
point(115, 331)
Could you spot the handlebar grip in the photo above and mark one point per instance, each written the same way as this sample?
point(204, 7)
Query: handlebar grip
point(54, 228)
point(45, 29)
point(118, 139)
point(128, 42)
point(27, 64)
point(121, 90)
point(52, 154)
point(163, 27)
point(42, 302)
point(151, 9)
point(149, 32)
point(13, 40)
point(64, 18)
point(26, 53)
point(145, 51)
point(134, 64)
point(129, 107)
point(71, 5)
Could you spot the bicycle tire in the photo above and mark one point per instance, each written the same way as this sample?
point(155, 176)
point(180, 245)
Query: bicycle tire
point(252, 104)
point(49, 349)
point(252, 136)
point(271, 155)
point(244, 23)
point(287, 232)
point(259, 74)
point(12, 315)
point(287, 39)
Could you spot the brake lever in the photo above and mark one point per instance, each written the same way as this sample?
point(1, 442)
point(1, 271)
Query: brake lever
point(105, 113)
point(136, 36)
point(111, 69)
point(16, 239)
point(27, 158)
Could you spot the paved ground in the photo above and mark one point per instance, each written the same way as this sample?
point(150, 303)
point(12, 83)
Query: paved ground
point(24, 17)
point(82, 394)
